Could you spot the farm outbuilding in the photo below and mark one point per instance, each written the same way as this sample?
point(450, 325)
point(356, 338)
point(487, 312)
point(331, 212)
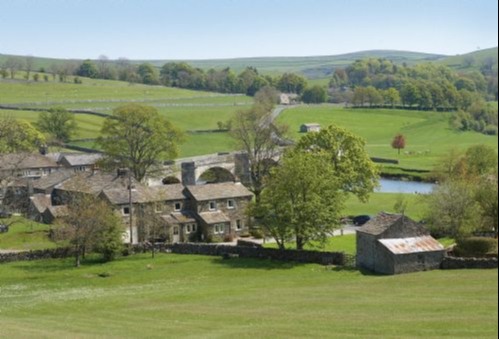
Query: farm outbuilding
point(306, 128)
point(394, 244)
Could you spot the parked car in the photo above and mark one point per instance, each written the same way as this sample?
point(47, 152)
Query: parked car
point(360, 220)
point(4, 228)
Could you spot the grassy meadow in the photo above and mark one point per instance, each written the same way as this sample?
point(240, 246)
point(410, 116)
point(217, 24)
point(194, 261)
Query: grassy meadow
point(428, 134)
point(196, 296)
point(25, 235)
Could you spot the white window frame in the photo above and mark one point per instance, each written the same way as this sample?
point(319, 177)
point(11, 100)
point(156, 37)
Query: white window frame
point(214, 203)
point(175, 206)
point(239, 225)
point(231, 204)
point(219, 228)
point(188, 229)
point(126, 208)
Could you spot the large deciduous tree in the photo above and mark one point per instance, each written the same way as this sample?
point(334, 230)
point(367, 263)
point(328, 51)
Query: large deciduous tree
point(346, 152)
point(58, 123)
point(18, 136)
point(137, 137)
point(302, 200)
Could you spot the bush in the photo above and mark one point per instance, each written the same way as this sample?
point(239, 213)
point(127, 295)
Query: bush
point(475, 247)
point(490, 130)
point(257, 233)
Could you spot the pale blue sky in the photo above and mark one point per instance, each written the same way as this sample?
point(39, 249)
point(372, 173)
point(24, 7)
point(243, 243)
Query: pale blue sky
point(199, 29)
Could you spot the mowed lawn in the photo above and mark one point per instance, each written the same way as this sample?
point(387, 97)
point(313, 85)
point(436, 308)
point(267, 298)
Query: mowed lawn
point(428, 134)
point(208, 297)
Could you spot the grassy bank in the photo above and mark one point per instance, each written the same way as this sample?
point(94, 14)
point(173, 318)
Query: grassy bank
point(196, 296)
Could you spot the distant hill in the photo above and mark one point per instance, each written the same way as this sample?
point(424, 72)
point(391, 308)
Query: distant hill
point(470, 61)
point(313, 67)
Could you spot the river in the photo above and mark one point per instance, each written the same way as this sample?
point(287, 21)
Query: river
point(406, 187)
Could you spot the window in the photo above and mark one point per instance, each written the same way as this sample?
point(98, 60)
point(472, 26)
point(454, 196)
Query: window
point(239, 225)
point(187, 229)
point(213, 206)
point(126, 210)
point(175, 231)
point(178, 206)
point(158, 208)
point(219, 228)
point(231, 204)
point(194, 227)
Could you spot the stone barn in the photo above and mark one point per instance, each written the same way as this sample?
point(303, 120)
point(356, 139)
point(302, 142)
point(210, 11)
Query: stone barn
point(307, 128)
point(394, 244)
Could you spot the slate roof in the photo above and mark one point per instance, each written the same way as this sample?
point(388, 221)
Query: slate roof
point(51, 180)
point(219, 191)
point(211, 218)
point(91, 183)
point(412, 245)
point(25, 161)
point(57, 211)
point(383, 222)
point(41, 202)
point(173, 192)
point(80, 159)
point(179, 218)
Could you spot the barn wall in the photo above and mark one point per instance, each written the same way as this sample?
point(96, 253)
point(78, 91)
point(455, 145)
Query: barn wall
point(366, 244)
point(415, 262)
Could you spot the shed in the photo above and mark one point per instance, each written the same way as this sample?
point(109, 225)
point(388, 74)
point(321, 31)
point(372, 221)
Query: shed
point(307, 128)
point(394, 244)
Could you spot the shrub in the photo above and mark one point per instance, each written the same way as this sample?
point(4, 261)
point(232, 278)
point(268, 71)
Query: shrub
point(490, 130)
point(256, 233)
point(475, 247)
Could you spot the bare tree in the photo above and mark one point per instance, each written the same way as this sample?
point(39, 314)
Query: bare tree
point(13, 64)
point(255, 132)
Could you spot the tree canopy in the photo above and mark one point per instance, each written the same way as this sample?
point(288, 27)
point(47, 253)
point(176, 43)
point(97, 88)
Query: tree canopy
point(302, 200)
point(58, 123)
point(137, 137)
point(19, 136)
point(352, 165)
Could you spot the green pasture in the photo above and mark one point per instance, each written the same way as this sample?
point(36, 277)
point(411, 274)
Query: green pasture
point(25, 235)
point(196, 296)
point(385, 202)
point(428, 134)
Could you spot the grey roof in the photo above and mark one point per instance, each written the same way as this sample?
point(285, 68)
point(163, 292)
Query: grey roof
point(312, 125)
point(173, 192)
point(211, 218)
point(179, 218)
point(25, 161)
point(52, 180)
point(383, 222)
point(57, 211)
point(219, 191)
point(41, 202)
point(412, 245)
point(91, 183)
point(81, 159)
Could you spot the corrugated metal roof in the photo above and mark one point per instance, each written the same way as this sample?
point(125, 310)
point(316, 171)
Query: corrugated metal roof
point(412, 245)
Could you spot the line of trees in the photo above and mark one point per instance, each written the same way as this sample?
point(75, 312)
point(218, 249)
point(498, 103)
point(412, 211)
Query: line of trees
point(382, 83)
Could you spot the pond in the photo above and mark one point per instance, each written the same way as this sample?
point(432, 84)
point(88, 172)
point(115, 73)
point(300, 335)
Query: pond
point(406, 187)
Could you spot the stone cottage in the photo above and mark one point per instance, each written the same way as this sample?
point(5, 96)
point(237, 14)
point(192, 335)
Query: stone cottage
point(394, 244)
point(220, 209)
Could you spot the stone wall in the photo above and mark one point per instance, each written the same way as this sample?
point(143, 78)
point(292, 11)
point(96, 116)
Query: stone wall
point(314, 257)
point(56, 253)
point(453, 263)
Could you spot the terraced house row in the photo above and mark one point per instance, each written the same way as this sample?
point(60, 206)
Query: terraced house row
point(176, 213)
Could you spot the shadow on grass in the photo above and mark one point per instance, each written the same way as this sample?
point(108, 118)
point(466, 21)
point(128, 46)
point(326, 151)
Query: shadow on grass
point(56, 265)
point(355, 269)
point(261, 264)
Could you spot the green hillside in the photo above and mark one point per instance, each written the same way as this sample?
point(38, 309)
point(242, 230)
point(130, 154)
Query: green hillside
point(470, 61)
point(428, 134)
point(312, 66)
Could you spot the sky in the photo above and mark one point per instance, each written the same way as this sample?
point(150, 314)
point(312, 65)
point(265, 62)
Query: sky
point(217, 29)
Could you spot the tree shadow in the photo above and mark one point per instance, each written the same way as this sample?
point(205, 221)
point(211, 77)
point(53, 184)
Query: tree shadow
point(252, 263)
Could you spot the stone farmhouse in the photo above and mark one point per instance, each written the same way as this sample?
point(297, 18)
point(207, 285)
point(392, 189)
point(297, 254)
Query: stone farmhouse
point(394, 244)
point(308, 128)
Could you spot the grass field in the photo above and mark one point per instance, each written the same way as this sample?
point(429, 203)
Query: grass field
point(428, 134)
point(195, 296)
point(25, 235)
